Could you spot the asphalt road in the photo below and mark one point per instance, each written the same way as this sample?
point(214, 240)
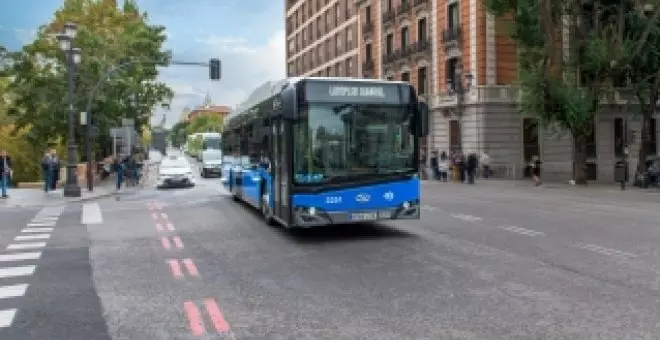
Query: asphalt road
point(488, 261)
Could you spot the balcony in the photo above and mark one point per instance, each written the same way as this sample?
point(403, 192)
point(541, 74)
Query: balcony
point(421, 48)
point(368, 66)
point(388, 17)
point(420, 4)
point(403, 11)
point(367, 29)
point(389, 58)
point(451, 37)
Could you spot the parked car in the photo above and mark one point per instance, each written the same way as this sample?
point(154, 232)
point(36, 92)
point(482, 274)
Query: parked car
point(651, 177)
point(175, 171)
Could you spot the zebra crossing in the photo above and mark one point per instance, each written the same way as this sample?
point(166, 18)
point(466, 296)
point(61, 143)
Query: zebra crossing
point(18, 262)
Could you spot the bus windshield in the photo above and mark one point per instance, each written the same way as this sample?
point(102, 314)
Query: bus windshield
point(211, 143)
point(341, 143)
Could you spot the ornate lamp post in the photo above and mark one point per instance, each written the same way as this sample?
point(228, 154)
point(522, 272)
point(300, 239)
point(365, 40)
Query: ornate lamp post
point(73, 56)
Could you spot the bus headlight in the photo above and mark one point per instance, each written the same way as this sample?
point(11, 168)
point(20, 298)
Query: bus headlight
point(312, 211)
point(406, 205)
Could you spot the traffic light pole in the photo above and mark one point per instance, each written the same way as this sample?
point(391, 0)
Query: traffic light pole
point(214, 74)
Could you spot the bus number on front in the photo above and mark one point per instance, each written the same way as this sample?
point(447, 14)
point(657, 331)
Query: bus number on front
point(333, 199)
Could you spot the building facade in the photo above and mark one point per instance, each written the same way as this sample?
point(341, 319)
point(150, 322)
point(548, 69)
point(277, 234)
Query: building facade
point(209, 109)
point(463, 62)
point(321, 38)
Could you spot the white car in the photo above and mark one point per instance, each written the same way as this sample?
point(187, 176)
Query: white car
point(175, 171)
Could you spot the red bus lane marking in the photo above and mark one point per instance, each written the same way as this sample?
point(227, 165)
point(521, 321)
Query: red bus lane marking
point(219, 322)
point(163, 215)
point(170, 226)
point(177, 242)
point(194, 318)
point(191, 267)
point(165, 242)
point(154, 216)
point(159, 227)
point(175, 268)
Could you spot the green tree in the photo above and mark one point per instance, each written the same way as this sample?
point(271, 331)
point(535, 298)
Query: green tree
point(208, 122)
point(566, 89)
point(643, 73)
point(178, 133)
point(108, 35)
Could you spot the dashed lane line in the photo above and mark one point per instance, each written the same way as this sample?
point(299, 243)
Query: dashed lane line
point(605, 251)
point(522, 231)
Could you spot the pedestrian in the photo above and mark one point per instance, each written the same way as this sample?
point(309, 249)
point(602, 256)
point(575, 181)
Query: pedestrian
point(485, 164)
point(471, 166)
point(5, 172)
point(435, 169)
point(536, 170)
point(118, 168)
point(55, 168)
point(443, 166)
point(46, 170)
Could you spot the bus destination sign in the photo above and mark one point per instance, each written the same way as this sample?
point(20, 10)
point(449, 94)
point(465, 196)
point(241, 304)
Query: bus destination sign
point(356, 91)
point(337, 92)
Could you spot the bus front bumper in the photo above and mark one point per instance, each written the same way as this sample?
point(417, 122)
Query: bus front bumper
point(312, 216)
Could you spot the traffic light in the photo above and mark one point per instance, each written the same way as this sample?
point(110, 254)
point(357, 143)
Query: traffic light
point(214, 69)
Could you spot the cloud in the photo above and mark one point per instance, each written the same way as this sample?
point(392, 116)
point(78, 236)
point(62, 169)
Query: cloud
point(25, 36)
point(245, 66)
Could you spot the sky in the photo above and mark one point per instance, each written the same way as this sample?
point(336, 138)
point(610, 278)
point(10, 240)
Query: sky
point(246, 35)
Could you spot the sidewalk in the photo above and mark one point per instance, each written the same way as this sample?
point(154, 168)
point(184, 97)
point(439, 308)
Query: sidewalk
point(37, 197)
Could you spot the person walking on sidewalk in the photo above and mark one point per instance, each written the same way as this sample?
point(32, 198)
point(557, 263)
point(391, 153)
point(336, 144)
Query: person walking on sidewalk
point(118, 168)
point(5, 172)
point(55, 165)
point(485, 164)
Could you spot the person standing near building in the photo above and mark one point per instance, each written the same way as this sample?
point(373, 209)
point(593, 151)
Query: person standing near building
point(5, 172)
point(55, 165)
point(485, 164)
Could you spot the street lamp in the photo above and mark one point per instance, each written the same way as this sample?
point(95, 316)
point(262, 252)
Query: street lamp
point(73, 57)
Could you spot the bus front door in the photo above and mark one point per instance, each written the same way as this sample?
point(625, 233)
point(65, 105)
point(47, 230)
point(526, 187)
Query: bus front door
point(280, 170)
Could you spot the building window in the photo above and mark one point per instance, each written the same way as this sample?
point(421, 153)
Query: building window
point(367, 14)
point(390, 5)
point(304, 36)
point(421, 80)
point(404, 37)
point(328, 24)
point(405, 76)
point(389, 44)
point(451, 75)
point(319, 52)
point(619, 137)
point(328, 71)
point(454, 136)
point(318, 27)
point(340, 69)
point(337, 14)
point(389, 78)
point(452, 16)
point(367, 52)
point(338, 44)
point(349, 67)
point(348, 10)
point(421, 29)
point(349, 39)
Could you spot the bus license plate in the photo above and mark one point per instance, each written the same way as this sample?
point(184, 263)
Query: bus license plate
point(364, 216)
point(385, 214)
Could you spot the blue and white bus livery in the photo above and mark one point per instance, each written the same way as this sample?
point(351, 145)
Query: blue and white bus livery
point(321, 151)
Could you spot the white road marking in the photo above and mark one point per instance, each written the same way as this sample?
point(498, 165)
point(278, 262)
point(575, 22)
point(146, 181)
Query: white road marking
point(17, 271)
point(522, 231)
point(28, 245)
point(428, 208)
point(7, 317)
point(468, 218)
point(20, 256)
point(91, 214)
point(42, 224)
point(37, 230)
point(605, 251)
point(13, 291)
point(32, 237)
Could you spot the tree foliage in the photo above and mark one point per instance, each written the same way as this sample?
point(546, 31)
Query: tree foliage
point(108, 35)
point(561, 84)
point(178, 133)
point(207, 122)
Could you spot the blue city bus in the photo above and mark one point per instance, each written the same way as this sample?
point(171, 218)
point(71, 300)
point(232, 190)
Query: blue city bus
point(322, 151)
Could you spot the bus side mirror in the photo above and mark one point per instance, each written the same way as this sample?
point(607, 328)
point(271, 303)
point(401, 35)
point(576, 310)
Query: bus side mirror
point(423, 111)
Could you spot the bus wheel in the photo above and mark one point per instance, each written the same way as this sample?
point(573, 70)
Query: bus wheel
point(265, 210)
